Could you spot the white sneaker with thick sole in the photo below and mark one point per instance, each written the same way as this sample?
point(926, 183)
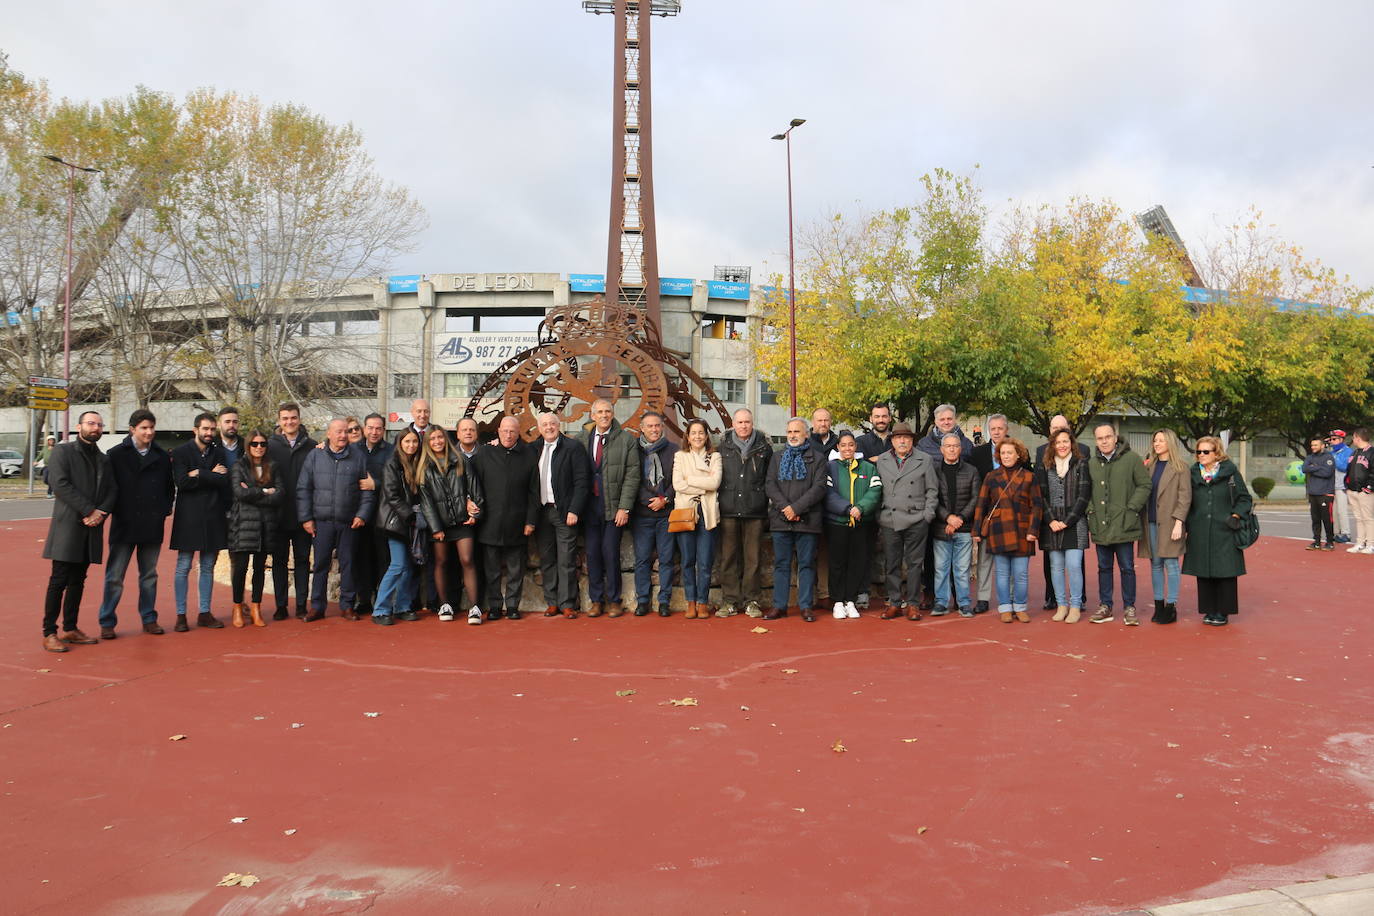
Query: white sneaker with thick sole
point(838, 610)
point(1354, 548)
point(445, 612)
point(474, 616)
point(1369, 548)
point(850, 610)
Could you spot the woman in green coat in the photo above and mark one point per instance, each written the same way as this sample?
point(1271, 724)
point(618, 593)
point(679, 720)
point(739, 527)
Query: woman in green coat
point(1219, 499)
point(854, 492)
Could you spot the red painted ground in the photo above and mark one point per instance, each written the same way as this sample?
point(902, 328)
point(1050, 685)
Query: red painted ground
point(1082, 769)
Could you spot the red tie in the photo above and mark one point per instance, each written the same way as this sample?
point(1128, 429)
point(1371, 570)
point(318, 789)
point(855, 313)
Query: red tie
point(597, 456)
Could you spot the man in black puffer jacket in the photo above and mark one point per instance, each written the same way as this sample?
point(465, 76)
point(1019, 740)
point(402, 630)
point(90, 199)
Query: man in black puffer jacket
point(329, 503)
point(744, 456)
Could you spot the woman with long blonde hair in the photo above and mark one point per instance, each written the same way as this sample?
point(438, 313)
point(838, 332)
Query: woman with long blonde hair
point(1163, 517)
point(451, 499)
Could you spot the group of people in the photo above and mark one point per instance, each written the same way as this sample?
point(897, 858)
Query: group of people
point(437, 520)
point(1339, 484)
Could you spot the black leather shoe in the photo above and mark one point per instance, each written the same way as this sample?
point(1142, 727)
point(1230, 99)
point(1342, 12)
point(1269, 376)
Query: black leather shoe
point(107, 633)
point(382, 620)
point(302, 613)
point(314, 616)
point(809, 615)
point(181, 626)
point(513, 614)
point(776, 613)
point(642, 610)
point(208, 620)
point(980, 608)
point(280, 614)
point(494, 615)
point(407, 615)
point(663, 611)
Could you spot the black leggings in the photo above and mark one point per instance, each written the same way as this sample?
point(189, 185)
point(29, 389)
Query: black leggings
point(238, 572)
point(1217, 596)
point(444, 552)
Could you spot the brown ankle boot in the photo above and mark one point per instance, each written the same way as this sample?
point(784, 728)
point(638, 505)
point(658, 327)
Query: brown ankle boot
point(255, 608)
point(238, 616)
point(691, 610)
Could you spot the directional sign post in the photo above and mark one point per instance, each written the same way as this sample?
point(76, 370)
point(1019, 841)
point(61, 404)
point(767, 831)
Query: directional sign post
point(45, 382)
point(47, 393)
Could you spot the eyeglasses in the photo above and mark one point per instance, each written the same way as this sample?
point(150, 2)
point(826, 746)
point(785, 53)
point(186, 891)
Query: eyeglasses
point(1205, 451)
point(257, 444)
point(355, 429)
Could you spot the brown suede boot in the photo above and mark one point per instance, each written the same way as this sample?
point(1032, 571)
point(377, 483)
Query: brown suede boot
point(691, 610)
point(255, 609)
point(237, 618)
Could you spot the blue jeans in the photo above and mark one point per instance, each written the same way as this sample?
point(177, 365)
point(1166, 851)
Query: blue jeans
point(116, 566)
point(207, 578)
point(394, 594)
point(1070, 562)
point(698, 551)
point(1013, 581)
point(331, 538)
point(957, 550)
point(1162, 570)
point(651, 535)
point(784, 543)
point(1124, 555)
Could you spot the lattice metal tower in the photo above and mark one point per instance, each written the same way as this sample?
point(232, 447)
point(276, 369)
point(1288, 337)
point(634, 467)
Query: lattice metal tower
point(632, 249)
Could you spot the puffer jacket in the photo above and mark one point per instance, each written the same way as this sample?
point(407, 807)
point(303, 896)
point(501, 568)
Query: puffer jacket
point(253, 515)
point(743, 472)
point(848, 487)
point(397, 501)
point(962, 502)
point(328, 490)
point(618, 479)
point(444, 497)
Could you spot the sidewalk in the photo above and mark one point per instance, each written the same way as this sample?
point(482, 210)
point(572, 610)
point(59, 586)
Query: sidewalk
point(1352, 896)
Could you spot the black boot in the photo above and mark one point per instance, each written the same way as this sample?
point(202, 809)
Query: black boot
point(1159, 613)
point(1168, 615)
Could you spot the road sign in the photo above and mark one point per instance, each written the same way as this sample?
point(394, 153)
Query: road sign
point(47, 382)
point(50, 394)
point(46, 404)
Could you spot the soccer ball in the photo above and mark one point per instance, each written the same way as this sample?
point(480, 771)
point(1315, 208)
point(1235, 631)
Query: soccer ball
point(1293, 473)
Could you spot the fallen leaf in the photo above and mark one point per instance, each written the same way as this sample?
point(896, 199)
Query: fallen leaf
point(624, 693)
point(44, 670)
point(297, 724)
point(685, 701)
point(745, 708)
point(911, 740)
point(258, 718)
point(248, 880)
point(372, 715)
point(290, 832)
point(1076, 655)
point(1171, 744)
point(759, 630)
point(789, 671)
point(838, 747)
point(237, 820)
point(921, 830)
point(802, 810)
point(177, 738)
point(109, 826)
point(234, 879)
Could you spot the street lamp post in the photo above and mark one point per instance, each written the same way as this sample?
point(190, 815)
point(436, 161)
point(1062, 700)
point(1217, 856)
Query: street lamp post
point(786, 137)
point(72, 169)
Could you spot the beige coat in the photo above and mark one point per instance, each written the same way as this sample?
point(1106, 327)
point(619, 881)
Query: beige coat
point(696, 476)
point(1175, 497)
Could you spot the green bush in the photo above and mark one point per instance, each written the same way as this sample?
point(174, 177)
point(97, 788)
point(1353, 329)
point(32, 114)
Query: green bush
point(1262, 486)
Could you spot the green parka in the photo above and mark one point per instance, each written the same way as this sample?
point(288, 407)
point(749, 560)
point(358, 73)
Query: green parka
point(1212, 552)
point(620, 467)
point(1121, 487)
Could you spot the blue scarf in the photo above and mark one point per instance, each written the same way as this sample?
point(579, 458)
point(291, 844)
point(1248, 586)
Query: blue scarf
point(791, 467)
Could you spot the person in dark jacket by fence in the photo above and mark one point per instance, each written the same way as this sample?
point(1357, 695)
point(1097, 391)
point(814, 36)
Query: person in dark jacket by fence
point(1066, 488)
point(200, 521)
point(744, 455)
point(253, 528)
point(451, 499)
point(85, 492)
point(143, 477)
point(330, 504)
point(288, 450)
point(957, 481)
point(507, 473)
point(649, 521)
point(796, 495)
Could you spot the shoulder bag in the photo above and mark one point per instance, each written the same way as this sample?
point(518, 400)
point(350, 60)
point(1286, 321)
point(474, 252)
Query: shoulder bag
point(685, 519)
point(1247, 530)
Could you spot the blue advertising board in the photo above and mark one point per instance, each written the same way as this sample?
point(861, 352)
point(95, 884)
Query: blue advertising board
point(403, 283)
point(587, 283)
point(722, 289)
point(675, 286)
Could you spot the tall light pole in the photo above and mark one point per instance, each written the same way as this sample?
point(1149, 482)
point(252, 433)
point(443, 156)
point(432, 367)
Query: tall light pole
point(786, 137)
point(72, 169)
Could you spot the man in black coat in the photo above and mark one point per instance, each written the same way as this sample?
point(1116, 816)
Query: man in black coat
point(744, 456)
point(200, 522)
point(85, 492)
point(371, 554)
point(796, 498)
point(876, 441)
point(649, 520)
point(143, 474)
point(565, 484)
point(507, 471)
point(331, 505)
point(288, 450)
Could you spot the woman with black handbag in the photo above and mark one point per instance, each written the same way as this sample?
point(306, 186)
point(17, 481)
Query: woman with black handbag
point(396, 516)
point(696, 483)
point(1218, 516)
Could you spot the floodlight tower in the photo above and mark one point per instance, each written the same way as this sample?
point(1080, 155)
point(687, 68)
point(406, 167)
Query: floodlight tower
point(632, 248)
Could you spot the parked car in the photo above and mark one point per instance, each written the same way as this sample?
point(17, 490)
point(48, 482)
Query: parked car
point(11, 463)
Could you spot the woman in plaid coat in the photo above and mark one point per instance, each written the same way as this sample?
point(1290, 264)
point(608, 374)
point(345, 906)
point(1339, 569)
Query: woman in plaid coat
point(1007, 519)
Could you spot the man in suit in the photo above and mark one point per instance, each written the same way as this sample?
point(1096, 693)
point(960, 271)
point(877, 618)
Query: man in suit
point(614, 456)
point(564, 476)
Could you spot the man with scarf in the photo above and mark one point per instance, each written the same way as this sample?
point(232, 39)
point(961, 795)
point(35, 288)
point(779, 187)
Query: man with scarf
point(796, 492)
point(745, 454)
point(650, 518)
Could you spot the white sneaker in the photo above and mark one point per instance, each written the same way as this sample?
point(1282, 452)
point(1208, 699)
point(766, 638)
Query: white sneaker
point(1354, 548)
point(445, 612)
point(1369, 548)
point(838, 610)
point(474, 616)
point(850, 610)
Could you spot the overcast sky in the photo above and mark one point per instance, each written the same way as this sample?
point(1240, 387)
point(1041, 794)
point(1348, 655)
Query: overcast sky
point(496, 114)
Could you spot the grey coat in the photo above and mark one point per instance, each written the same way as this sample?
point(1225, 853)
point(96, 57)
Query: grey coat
point(81, 481)
point(910, 492)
